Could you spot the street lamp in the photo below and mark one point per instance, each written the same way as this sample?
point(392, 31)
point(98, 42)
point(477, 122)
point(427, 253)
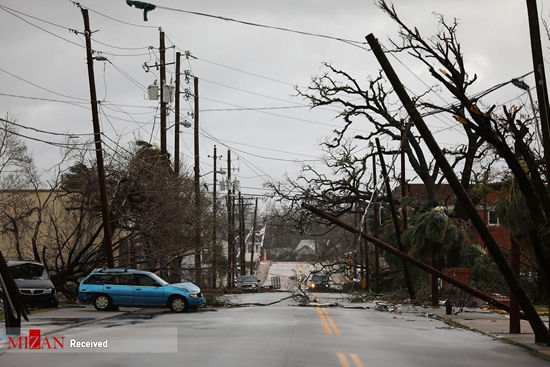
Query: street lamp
point(524, 86)
point(219, 172)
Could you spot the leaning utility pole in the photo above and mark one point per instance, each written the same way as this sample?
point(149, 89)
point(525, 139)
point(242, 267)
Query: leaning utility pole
point(407, 275)
point(539, 328)
point(540, 80)
point(177, 120)
point(197, 221)
point(242, 259)
point(376, 223)
point(214, 223)
point(108, 246)
point(231, 275)
point(253, 236)
point(162, 76)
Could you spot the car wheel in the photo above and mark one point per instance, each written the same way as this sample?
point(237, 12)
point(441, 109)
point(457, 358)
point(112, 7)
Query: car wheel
point(177, 304)
point(103, 302)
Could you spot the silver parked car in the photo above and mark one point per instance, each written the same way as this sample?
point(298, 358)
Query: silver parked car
point(248, 283)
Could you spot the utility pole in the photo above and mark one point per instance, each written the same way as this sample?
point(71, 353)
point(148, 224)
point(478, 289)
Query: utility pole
point(515, 319)
point(540, 80)
point(229, 224)
point(214, 222)
point(253, 236)
point(407, 275)
point(242, 259)
point(108, 246)
point(539, 328)
point(233, 243)
point(376, 234)
point(177, 121)
point(162, 50)
point(197, 221)
point(366, 268)
point(403, 180)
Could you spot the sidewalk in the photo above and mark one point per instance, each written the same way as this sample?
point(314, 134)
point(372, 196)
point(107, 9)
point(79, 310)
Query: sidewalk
point(492, 324)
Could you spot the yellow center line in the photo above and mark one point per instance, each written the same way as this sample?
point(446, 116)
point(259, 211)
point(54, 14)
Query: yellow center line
point(343, 360)
point(356, 360)
point(327, 329)
point(334, 327)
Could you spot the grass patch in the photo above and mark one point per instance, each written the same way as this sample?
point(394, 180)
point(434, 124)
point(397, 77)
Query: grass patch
point(541, 308)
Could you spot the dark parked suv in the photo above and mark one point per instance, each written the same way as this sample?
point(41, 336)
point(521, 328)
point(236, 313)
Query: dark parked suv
point(34, 284)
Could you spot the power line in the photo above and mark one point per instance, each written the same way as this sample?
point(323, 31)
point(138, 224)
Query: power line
point(344, 40)
point(274, 114)
point(56, 144)
point(45, 131)
point(43, 88)
point(207, 135)
point(252, 108)
point(244, 71)
point(111, 18)
point(43, 29)
point(263, 95)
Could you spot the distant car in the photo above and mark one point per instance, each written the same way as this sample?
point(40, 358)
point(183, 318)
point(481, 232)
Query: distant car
point(319, 281)
point(34, 284)
point(248, 283)
point(109, 288)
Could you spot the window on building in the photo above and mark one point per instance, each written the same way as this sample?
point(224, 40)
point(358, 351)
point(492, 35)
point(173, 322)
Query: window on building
point(492, 218)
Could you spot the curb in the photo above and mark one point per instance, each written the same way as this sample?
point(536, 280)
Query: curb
point(534, 351)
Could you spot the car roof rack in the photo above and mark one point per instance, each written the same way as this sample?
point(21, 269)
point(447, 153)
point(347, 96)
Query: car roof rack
point(111, 270)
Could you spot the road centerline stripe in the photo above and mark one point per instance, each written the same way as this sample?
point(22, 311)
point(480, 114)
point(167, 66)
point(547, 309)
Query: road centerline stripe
point(343, 360)
point(334, 327)
point(327, 329)
point(356, 360)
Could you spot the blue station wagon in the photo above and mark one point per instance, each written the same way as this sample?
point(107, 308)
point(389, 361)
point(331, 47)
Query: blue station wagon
point(110, 288)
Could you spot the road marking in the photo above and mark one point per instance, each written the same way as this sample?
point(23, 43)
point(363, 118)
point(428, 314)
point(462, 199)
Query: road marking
point(327, 329)
point(334, 327)
point(343, 360)
point(356, 360)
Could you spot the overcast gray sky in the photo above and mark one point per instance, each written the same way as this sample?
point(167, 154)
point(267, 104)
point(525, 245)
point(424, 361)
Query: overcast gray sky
point(494, 36)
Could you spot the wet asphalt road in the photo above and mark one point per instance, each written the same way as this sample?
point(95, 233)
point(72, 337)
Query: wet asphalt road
point(276, 336)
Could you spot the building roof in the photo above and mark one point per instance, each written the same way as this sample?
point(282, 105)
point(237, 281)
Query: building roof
point(306, 246)
point(418, 191)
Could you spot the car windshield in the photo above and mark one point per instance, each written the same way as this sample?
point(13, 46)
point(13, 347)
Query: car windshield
point(29, 271)
point(319, 278)
point(250, 278)
point(158, 279)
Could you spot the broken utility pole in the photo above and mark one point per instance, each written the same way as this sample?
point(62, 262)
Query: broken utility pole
point(396, 225)
point(540, 330)
point(107, 244)
point(410, 259)
point(540, 80)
